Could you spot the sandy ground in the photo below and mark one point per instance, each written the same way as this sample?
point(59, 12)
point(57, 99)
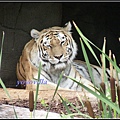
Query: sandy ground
point(6, 111)
point(42, 94)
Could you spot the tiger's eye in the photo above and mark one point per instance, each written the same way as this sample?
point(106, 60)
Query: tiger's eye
point(45, 43)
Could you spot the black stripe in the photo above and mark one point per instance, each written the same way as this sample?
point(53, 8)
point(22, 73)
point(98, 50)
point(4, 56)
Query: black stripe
point(97, 71)
point(44, 60)
point(72, 44)
point(75, 74)
point(71, 85)
point(22, 67)
point(83, 70)
point(108, 75)
point(39, 52)
point(69, 70)
point(42, 55)
point(70, 54)
point(48, 75)
point(77, 84)
point(21, 73)
point(73, 81)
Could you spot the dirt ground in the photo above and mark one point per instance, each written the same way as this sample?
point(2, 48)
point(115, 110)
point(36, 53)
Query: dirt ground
point(20, 97)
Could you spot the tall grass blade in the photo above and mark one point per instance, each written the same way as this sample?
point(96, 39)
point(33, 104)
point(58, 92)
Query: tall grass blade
point(5, 89)
point(104, 62)
point(1, 49)
point(87, 62)
point(110, 113)
point(37, 89)
point(64, 103)
point(58, 84)
point(86, 42)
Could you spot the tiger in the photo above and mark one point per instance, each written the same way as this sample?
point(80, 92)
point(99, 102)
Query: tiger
point(56, 50)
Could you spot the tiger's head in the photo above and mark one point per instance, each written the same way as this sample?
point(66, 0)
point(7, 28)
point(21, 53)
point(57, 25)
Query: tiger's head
point(56, 46)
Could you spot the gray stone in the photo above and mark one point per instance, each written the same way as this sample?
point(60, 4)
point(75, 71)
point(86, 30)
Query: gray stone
point(7, 112)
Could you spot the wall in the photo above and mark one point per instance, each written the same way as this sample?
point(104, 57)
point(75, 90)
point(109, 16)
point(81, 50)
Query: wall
point(16, 20)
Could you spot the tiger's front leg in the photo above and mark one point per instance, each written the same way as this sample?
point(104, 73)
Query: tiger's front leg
point(44, 83)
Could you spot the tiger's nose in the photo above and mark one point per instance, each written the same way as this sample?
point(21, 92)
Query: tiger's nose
point(58, 57)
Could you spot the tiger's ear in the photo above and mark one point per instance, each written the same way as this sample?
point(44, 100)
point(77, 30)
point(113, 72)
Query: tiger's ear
point(68, 26)
point(35, 33)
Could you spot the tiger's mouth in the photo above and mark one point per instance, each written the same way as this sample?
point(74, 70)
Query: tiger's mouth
point(60, 65)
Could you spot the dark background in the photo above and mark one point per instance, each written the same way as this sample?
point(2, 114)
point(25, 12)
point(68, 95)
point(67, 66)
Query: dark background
point(96, 20)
